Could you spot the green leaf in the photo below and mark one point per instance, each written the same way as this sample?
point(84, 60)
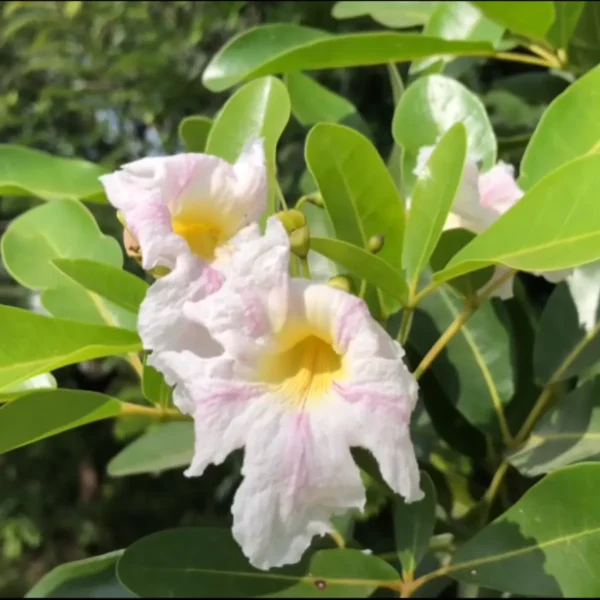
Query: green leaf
point(429, 108)
point(391, 14)
point(555, 225)
point(89, 578)
point(365, 265)
point(568, 340)
point(584, 49)
point(215, 567)
point(359, 194)
point(457, 21)
point(313, 103)
point(569, 129)
point(62, 229)
point(413, 525)
point(258, 109)
point(545, 545)
point(531, 19)
point(283, 48)
point(476, 368)
point(154, 386)
point(432, 198)
point(108, 282)
point(568, 433)
point(194, 131)
point(40, 344)
point(396, 82)
point(567, 17)
point(28, 172)
point(165, 447)
point(55, 411)
point(38, 382)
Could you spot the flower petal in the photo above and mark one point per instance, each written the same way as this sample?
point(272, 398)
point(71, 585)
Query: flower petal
point(243, 313)
point(298, 472)
point(162, 324)
point(498, 189)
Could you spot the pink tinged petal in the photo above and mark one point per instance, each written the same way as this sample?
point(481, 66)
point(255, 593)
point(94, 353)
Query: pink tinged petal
point(298, 472)
point(498, 188)
point(162, 324)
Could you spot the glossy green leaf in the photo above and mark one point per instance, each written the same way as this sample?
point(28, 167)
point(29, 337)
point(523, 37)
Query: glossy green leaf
point(48, 412)
point(154, 386)
point(62, 229)
point(283, 48)
point(545, 545)
point(569, 129)
point(108, 282)
point(565, 22)
point(531, 19)
point(168, 446)
point(457, 21)
point(476, 368)
point(359, 193)
point(568, 337)
point(568, 433)
point(38, 382)
point(215, 567)
point(89, 578)
point(363, 264)
point(258, 109)
point(429, 108)
point(413, 525)
point(29, 172)
point(391, 14)
point(555, 225)
point(584, 49)
point(313, 103)
point(40, 344)
point(194, 131)
point(432, 198)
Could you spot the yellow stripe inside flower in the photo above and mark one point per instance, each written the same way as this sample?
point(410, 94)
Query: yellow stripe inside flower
point(204, 230)
point(303, 365)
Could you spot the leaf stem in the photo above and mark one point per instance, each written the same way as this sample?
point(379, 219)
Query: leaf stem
point(471, 305)
point(536, 412)
point(160, 413)
point(136, 363)
point(524, 58)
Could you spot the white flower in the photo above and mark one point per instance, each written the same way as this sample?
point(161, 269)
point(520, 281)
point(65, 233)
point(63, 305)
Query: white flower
point(305, 374)
point(480, 200)
point(189, 201)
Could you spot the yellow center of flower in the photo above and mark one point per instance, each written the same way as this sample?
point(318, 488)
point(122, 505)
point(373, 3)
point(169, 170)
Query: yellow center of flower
point(204, 231)
point(303, 367)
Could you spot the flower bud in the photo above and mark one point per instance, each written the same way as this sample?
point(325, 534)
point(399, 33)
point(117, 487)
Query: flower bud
point(341, 282)
point(291, 219)
point(375, 243)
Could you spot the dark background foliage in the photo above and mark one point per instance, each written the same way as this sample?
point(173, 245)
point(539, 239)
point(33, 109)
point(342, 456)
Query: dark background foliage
point(110, 82)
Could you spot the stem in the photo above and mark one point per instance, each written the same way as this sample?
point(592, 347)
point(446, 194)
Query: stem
point(136, 363)
point(304, 268)
point(539, 407)
point(471, 305)
point(524, 58)
point(492, 491)
point(160, 413)
point(281, 197)
point(312, 198)
point(547, 55)
point(406, 323)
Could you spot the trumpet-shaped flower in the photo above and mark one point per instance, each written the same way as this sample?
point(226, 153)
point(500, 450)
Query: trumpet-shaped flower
point(305, 374)
point(481, 199)
point(188, 201)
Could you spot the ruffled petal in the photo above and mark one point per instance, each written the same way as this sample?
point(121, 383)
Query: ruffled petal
point(253, 300)
point(498, 188)
point(298, 473)
point(209, 390)
point(162, 324)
